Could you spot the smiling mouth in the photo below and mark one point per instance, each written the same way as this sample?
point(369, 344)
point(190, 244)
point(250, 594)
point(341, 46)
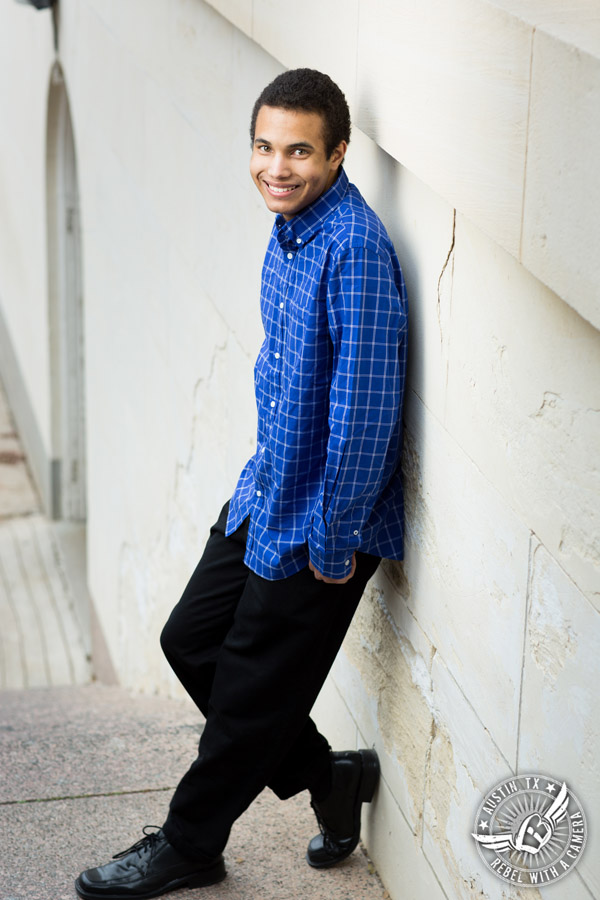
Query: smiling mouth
point(282, 190)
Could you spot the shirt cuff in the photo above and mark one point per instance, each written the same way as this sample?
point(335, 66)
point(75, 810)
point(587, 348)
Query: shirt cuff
point(333, 558)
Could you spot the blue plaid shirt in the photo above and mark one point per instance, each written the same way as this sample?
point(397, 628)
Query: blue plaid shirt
point(329, 382)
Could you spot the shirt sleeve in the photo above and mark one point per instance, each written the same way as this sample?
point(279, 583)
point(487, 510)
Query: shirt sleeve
point(367, 324)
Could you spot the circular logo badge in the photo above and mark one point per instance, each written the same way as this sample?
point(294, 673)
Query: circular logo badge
point(530, 830)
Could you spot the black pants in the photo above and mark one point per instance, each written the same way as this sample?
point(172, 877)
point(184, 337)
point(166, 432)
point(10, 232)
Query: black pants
point(253, 655)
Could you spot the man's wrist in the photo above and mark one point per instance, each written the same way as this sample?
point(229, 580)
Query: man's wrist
point(334, 565)
point(349, 572)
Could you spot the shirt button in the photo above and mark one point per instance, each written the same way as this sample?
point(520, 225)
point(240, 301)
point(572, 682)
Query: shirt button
point(277, 355)
point(281, 306)
point(272, 403)
point(347, 563)
point(259, 493)
point(298, 240)
point(290, 256)
point(356, 532)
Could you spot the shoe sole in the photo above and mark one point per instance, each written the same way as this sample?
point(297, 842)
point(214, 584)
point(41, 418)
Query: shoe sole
point(203, 879)
point(369, 779)
point(369, 776)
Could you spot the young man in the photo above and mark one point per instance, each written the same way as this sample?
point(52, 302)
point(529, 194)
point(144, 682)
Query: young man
point(320, 502)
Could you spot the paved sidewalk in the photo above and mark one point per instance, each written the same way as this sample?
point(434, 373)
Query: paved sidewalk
point(84, 766)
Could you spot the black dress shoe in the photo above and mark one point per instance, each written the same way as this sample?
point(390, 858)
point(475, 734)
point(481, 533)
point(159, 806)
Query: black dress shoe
point(354, 777)
point(148, 869)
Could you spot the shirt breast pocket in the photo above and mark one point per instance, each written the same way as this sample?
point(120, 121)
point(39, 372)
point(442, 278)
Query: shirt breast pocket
point(302, 326)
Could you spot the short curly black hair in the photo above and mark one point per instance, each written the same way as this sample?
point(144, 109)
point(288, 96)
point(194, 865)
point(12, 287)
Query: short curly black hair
point(310, 91)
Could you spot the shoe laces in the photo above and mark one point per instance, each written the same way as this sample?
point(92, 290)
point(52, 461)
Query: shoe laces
point(329, 844)
point(144, 845)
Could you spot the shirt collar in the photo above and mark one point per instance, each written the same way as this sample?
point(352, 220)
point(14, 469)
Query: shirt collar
point(302, 227)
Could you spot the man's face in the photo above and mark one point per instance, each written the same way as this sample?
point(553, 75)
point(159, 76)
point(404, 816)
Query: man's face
point(289, 164)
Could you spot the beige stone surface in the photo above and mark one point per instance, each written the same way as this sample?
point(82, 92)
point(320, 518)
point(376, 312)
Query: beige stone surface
point(466, 564)
point(399, 858)
point(170, 299)
point(524, 400)
point(576, 22)
point(23, 286)
point(421, 224)
point(333, 717)
point(237, 11)
point(386, 685)
point(466, 96)
point(464, 763)
point(323, 37)
point(561, 230)
point(444, 88)
point(560, 709)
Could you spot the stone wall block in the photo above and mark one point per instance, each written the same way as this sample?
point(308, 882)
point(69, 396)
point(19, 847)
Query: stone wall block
point(199, 72)
point(188, 209)
point(560, 711)
point(25, 41)
point(561, 227)
point(161, 533)
point(251, 73)
point(463, 764)
point(322, 37)
point(95, 102)
point(444, 88)
point(524, 400)
point(395, 850)
point(466, 565)
point(421, 226)
point(334, 719)
point(237, 11)
point(386, 685)
point(174, 146)
point(392, 584)
point(141, 30)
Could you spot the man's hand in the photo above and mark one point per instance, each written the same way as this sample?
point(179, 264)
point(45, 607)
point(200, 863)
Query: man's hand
point(324, 578)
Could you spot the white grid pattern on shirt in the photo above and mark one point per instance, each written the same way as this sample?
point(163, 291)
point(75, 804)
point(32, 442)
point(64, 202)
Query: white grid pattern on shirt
point(329, 383)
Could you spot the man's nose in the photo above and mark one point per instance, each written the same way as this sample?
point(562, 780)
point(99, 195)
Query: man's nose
point(279, 166)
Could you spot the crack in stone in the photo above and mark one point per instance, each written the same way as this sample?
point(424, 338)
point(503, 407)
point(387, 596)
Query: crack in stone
point(85, 796)
point(444, 267)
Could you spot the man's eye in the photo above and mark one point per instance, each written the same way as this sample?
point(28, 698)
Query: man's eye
point(263, 147)
point(299, 152)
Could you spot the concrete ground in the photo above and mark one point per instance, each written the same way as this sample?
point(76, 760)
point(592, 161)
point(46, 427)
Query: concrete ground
point(85, 766)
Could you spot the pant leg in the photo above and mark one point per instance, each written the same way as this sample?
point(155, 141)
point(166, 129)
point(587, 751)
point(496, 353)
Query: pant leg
point(310, 750)
point(268, 673)
point(198, 624)
point(196, 628)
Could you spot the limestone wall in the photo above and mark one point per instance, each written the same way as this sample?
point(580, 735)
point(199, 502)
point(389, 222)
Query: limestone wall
point(25, 59)
point(476, 138)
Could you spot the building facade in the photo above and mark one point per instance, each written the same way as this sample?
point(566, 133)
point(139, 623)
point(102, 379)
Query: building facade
point(131, 241)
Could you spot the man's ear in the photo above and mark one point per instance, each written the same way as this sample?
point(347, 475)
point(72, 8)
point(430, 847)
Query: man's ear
point(337, 155)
